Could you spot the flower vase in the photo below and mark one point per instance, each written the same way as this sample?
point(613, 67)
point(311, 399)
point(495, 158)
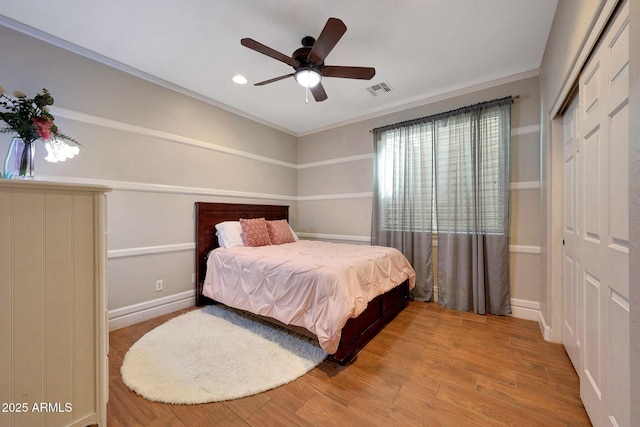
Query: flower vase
point(20, 160)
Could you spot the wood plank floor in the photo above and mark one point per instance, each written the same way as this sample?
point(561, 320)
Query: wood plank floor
point(428, 367)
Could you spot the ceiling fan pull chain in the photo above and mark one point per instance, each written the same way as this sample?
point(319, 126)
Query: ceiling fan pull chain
point(306, 94)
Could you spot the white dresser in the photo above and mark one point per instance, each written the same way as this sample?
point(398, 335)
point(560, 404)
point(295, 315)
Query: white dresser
point(53, 332)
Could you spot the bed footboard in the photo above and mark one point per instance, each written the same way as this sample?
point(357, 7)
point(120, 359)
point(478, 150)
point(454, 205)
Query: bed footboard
point(360, 330)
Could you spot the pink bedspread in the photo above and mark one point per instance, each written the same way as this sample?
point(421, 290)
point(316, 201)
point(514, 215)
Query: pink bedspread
point(312, 284)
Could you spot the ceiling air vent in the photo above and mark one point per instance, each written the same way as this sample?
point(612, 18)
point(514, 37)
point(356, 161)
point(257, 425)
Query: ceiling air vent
point(379, 89)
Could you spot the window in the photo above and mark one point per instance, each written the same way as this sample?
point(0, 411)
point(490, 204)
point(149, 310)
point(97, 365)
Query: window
point(404, 168)
point(447, 173)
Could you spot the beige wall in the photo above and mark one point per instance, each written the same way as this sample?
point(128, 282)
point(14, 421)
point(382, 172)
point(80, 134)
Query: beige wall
point(336, 173)
point(160, 150)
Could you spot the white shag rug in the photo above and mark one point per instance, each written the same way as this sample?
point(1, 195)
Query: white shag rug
point(214, 354)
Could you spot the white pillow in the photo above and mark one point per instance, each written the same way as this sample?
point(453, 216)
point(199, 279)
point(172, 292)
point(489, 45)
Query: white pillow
point(293, 233)
point(220, 240)
point(229, 234)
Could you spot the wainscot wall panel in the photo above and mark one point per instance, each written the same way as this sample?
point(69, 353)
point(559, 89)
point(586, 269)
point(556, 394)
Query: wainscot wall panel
point(351, 216)
point(525, 151)
point(342, 141)
point(152, 218)
point(525, 271)
point(315, 181)
point(140, 273)
point(525, 221)
point(115, 154)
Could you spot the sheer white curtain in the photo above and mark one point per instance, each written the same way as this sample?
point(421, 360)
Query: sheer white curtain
point(448, 176)
point(403, 198)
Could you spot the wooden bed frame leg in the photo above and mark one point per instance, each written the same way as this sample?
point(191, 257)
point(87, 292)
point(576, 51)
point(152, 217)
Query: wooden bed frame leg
point(347, 360)
point(385, 308)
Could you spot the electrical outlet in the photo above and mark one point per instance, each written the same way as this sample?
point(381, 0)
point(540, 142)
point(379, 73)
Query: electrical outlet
point(193, 278)
point(159, 285)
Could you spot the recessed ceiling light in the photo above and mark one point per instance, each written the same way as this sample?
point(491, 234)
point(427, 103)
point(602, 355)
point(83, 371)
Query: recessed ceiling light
point(241, 80)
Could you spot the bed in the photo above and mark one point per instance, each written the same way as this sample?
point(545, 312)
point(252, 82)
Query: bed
point(353, 332)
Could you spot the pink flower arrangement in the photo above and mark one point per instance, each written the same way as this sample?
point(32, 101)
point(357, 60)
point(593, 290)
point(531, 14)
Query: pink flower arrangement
point(29, 118)
point(43, 127)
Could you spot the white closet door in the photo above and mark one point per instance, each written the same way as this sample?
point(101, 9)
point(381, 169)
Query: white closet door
point(571, 326)
point(603, 271)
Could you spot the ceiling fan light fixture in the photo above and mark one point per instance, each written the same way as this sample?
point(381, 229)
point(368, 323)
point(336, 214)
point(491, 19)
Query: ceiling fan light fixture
point(308, 77)
point(239, 79)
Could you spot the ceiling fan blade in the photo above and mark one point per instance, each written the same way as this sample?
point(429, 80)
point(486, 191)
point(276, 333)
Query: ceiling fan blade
point(318, 93)
point(266, 50)
point(364, 73)
point(333, 30)
point(275, 79)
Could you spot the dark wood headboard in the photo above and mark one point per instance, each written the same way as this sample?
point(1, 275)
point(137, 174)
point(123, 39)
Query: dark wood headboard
point(210, 214)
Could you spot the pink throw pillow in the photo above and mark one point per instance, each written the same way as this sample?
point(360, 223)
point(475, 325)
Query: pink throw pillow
point(254, 232)
point(279, 232)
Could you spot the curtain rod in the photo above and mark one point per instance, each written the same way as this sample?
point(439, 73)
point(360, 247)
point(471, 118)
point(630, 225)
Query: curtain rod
point(445, 114)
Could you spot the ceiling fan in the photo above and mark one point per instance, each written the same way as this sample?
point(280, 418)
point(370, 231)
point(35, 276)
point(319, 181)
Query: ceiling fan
point(308, 61)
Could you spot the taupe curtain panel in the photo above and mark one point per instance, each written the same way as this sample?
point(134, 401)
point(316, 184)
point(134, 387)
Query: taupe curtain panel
point(442, 187)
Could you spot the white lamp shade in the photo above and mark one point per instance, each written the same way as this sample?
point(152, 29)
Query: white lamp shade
point(59, 151)
point(308, 77)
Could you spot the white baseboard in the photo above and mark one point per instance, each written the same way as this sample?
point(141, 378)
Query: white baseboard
point(544, 328)
point(525, 309)
point(130, 315)
point(345, 237)
point(530, 310)
point(127, 316)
